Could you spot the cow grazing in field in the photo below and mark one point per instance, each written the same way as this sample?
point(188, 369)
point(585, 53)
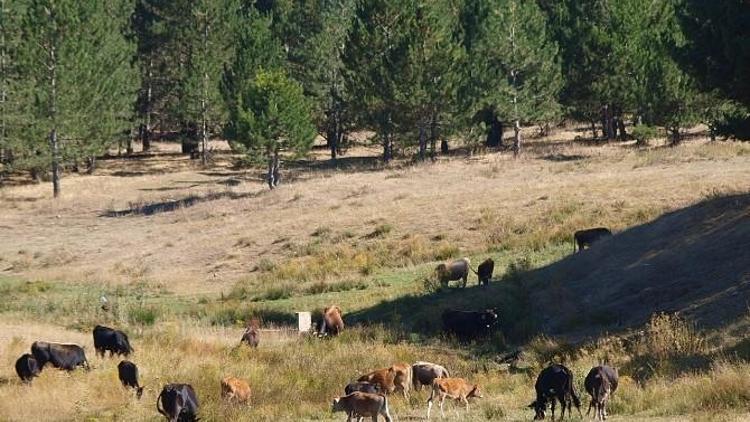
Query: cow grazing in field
point(27, 368)
point(585, 238)
point(452, 271)
point(178, 403)
point(358, 404)
point(332, 322)
point(555, 382)
point(251, 337)
point(233, 388)
point(600, 383)
point(455, 388)
point(127, 371)
point(362, 387)
point(484, 271)
point(396, 377)
point(114, 341)
point(469, 325)
point(424, 373)
point(61, 356)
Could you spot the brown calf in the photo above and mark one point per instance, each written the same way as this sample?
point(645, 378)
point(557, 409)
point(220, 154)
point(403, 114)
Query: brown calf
point(233, 388)
point(455, 388)
point(358, 404)
point(398, 376)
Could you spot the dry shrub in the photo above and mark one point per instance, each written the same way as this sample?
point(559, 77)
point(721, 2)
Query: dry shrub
point(668, 336)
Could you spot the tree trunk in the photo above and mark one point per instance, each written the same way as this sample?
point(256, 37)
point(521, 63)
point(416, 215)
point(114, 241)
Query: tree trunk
point(444, 147)
point(675, 136)
point(55, 146)
point(593, 130)
point(204, 100)
point(516, 138)
point(91, 164)
point(53, 139)
point(273, 175)
point(146, 136)
point(422, 142)
point(610, 123)
point(433, 137)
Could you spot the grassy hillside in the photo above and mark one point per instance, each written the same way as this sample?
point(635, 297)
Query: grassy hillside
point(185, 256)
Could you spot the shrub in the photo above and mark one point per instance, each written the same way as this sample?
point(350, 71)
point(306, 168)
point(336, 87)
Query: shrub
point(143, 315)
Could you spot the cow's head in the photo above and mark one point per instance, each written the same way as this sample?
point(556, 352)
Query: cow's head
point(337, 406)
point(489, 318)
point(475, 392)
point(539, 407)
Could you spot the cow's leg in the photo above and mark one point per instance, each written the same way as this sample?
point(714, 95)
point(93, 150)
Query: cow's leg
point(591, 402)
point(466, 403)
point(429, 407)
point(553, 409)
point(442, 401)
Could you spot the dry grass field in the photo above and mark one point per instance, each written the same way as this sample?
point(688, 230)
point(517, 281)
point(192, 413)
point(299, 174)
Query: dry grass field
point(186, 255)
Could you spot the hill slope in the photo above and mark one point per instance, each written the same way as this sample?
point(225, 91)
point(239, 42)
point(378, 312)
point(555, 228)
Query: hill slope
point(695, 261)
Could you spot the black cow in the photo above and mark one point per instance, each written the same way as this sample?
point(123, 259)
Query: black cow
point(362, 386)
point(178, 403)
point(469, 325)
point(114, 341)
point(585, 238)
point(600, 383)
point(484, 271)
point(128, 374)
point(61, 356)
point(27, 368)
point(555, 382)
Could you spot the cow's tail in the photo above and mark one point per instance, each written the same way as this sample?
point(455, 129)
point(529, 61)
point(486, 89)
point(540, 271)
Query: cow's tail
point(158, 405)
point(445, 373)
point(86, 364)
point(139, 392)
point(473, 270)
point(574, 243)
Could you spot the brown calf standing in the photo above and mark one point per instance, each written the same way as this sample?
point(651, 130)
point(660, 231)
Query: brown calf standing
point(233, 388)
point(456, 388)
point(600, 383)
point(362, 404)
point(398, 376)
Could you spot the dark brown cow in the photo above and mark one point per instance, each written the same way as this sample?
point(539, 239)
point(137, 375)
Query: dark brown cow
point(61, 356)
point(178, 403)
point(27, 368)
point(128, 374)
point(484, 271)
point(585, 238)
point(555, 382)
point(600, 383)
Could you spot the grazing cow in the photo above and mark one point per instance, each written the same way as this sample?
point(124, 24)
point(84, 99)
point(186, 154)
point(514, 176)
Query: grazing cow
point(363, 387)
point(484, 271)
point(251, 337)
point(178, 403)
point(555, 381)
point(585, 238)
point(233, 388)
point(27, 368)
point(600, 383)
point(128, 374)
point(362, 404)
point(332, 323)
point(424, 373)
point(469, 325)
point(114, 341)
point(61, 356)
point(396, 377)
point(456, 270)
point(454, 388)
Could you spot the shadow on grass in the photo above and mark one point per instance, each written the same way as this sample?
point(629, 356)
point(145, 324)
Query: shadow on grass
point(169, 206)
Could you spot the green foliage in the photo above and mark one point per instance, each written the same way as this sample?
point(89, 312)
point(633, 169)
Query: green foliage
point(644, 133)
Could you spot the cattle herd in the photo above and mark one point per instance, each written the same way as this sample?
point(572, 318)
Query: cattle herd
point(367, 396)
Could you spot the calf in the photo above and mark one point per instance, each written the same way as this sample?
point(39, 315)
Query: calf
point(114, 341)
point(585, 238)
point(363, 387)
point(455, 270)
point(469, 325)
point(233, 388)
point(61, 356)
point(362, 404)
point(555, 381)
point(251, 337)
point(27, 368)
point(128, 374)
point(424, 373)
point(600, 383)
point(484, 271)
point(455, 388)
point(178, 403)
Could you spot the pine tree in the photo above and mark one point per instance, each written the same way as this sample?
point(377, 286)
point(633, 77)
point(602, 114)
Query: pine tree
point(272, 116)
point(519, 66)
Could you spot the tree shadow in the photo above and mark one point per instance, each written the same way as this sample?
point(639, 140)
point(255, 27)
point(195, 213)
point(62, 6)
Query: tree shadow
point(563, 157)
point(169, 206)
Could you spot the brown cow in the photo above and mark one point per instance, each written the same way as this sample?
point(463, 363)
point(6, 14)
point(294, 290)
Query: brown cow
point(398, 376)
point(362, 404)
point(456, 270)
point(233, 388)
point(332, 323)
point(455, 388)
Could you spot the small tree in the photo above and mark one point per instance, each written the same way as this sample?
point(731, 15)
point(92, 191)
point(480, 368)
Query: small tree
point(271, 115)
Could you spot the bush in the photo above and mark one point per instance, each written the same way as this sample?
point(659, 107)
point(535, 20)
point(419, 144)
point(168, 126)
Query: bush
point(643, 134)
point(143, 315)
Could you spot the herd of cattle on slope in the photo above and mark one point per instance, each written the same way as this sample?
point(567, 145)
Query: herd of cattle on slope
point(367, 396)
